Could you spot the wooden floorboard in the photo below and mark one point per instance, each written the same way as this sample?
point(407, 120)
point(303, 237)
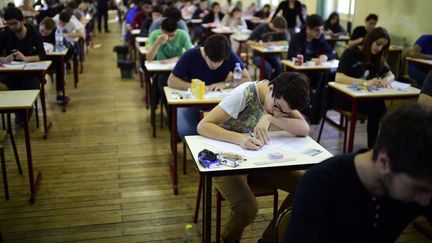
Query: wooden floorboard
point(105, 178)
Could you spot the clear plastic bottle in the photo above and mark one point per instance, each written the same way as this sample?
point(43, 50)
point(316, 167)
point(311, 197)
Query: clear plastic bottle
point(188, 236)
point(58, 39)
point(237, 75)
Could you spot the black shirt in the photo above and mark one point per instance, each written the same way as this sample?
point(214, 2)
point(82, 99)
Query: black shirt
point(260, 14)
point(332, 205)
point(290, 14)
point(264, 33)
point(31, 45)
point(359, 31)
point(313, 49)
point(210, 18)
point(353, 64)
point(336, 29)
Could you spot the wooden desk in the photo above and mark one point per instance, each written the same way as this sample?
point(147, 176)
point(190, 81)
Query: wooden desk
point(243, 38)
point(358, 96)
point(151, 68)
point(135, 32)
point(270, 50)
point(331, 38)
point(22, 101)
point(31, 69)
point(423, 62)
point(223, 31)
point(58, 56)
point(317, 98)
point(211, 100)
point(141, 40)
point(293, 148)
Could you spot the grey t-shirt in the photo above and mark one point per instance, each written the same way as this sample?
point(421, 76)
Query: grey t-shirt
point(244, 107)
point(264, 33)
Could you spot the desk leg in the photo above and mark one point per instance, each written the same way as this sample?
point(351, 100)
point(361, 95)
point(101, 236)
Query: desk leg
point(262, 66)
point(207, 202)
point(47, 125)
point(153, 104)
point(62, 73)
point(75, 68)
point(352, 125)
point(34, 185)
point(174, 134)
point(239, 49)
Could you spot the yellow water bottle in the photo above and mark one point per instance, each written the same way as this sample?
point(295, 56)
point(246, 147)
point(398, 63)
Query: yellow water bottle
point(201, 90)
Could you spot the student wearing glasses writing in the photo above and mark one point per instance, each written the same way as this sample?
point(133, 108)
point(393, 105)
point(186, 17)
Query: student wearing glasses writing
point(256, 106)
point(366, 66)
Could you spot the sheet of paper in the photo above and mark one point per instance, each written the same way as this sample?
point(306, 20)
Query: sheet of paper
point(35, 66)
point(400, 85)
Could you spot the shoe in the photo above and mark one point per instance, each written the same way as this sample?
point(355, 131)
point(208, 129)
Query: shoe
point(60, 99)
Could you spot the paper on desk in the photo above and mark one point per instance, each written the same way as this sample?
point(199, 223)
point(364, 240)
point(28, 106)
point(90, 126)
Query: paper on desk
point(217, 94)
point(35, 66)
point(399, 85)
point(17, 66)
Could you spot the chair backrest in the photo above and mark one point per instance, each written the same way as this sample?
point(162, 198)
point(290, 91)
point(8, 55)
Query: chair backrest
point(282, 224)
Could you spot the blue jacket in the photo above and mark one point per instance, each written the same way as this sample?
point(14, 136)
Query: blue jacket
point(320, 46)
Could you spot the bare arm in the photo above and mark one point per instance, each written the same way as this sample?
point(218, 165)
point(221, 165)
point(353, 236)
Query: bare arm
point(416, 53)
point(210, 127)
point(177, 83)
point(378, 82)
point(355, 42)
point(295, 124)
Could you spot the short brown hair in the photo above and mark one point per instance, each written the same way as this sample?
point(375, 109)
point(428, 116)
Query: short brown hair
point(279, 22)
point(48, 23)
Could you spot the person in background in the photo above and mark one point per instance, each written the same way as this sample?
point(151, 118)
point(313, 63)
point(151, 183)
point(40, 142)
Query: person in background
point(166, 45)
point(170, 12)
point(102, 12)
point(272, 33)
point(425, 97)
point(234, 19)
point(27, 9)
point(19, 42)
point(134, 9)
point(262, 16)
point(366, 65)
point(332, 25)
point(291, 9)
point(213, 64)
point(251, 10)
point(257, 106)
point(215, 16)
point(78, 13)
point(226, 8)
point(71, 27)
point(47, 29)
point(188, 9)
point(360, 32)
point(201, 11)
point(155, 15)
point(239, 4)
point(421, 49)
point(140, 17)
point(372, 195)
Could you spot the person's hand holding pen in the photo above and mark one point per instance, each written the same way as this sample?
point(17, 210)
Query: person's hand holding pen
point(261, 128)
point(250, 142)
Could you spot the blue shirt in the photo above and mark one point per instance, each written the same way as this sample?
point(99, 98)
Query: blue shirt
point(425, 42)
point(192, 65)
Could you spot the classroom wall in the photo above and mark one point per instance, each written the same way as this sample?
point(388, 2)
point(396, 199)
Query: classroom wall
point(404, 20)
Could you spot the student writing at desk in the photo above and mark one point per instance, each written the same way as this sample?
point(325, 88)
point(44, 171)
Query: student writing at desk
point(212, 64)
point(19, 42)
point(366, 66)
point(372, 195)
point(272, 33)
point(256, 106)
point(360, 32)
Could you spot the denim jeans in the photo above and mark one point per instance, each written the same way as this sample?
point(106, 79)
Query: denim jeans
point(417, 73)
point(271, 62)
point(187, 120)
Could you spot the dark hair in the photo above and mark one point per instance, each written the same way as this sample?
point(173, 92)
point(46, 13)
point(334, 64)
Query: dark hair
point(233, 10)
point(279, 22)
point(214, 4)
point(169, 25)
point(378, 59)
point(332, 15)
point(293, 87)
point(314, 20)
point(217, 48)
point(372, 17)
point(48, 23)
point(65, 16)
point(172, 12)
point(13, 13)
point(406, 138)
point(10, 5)
point(157, 9)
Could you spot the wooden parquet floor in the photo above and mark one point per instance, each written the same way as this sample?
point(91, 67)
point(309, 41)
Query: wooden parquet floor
point(105, 178)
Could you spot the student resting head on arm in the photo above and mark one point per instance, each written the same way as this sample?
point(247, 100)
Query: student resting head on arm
point(257, 106)
point(370, 196)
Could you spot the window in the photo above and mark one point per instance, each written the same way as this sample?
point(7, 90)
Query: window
point(345, 7)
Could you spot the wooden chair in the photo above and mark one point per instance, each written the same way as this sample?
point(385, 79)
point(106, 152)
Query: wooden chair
point(258, 191)
point(282, 224)
point(342, 125)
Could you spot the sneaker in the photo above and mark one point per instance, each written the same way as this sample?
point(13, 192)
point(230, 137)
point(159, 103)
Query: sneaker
point(60, 99)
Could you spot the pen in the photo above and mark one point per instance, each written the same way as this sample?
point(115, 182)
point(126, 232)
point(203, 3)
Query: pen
point(249, 131)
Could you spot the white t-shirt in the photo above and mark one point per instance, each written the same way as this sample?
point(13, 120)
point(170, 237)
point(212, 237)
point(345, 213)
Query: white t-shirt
point(72, 26)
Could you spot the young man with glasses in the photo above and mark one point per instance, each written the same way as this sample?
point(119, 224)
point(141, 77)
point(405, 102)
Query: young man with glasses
point(213, 64)
point(19, 42)
point(257, 106)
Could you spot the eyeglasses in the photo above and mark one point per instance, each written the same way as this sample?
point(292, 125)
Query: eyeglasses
point(278, 108)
